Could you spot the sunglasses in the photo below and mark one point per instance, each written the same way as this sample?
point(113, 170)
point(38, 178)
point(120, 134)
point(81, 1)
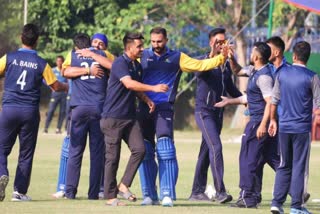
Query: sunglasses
point(221, 42)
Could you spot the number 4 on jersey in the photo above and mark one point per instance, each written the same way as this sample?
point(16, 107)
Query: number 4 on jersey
point(22, 79)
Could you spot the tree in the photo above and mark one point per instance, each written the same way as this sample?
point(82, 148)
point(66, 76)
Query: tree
point(10, 25)
point(289, 19)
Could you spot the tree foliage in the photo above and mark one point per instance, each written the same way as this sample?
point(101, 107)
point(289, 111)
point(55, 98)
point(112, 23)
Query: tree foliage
point(289, 19)
point(10, 26)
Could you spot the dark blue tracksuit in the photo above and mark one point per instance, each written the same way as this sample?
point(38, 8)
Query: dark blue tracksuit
point(252, 149)
point(295, 87)
point(24, 72)
point(271, 156)
point(88, 95)
point(211, 86)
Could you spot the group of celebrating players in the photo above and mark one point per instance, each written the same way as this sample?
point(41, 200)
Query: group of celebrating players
point(280, 98)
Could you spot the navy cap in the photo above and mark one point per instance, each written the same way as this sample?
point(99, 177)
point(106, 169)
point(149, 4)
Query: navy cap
point(102, 37)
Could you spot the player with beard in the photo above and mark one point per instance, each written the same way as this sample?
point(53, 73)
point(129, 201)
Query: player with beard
point(163, 65)
point(255, 141)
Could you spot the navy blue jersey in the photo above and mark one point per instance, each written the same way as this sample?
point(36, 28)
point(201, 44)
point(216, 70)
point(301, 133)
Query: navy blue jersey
point(120, 101)
point(296, 98)
point(212, 85)
point(24, 71)
point(87, 89)
point(167, 69)
point(255, 97)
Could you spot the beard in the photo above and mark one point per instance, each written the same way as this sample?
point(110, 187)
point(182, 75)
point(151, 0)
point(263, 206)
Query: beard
point(251, 62)
point(158, 50)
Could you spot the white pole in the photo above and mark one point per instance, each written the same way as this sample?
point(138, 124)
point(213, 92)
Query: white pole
point(253, 14)
point(25, 12)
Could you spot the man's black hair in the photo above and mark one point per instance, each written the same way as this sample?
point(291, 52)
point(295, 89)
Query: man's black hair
point(264, 51)
point(30, 35)
point(278, 42)
point(82, 40)
point(302, 51)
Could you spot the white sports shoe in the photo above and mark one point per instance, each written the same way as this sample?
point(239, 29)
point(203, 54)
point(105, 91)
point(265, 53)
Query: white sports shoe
point(276, 210)
point(167, 202)
point(210, 192)
point(19, 197)
point(101, 195)
point(59, 194)
point(147, 201)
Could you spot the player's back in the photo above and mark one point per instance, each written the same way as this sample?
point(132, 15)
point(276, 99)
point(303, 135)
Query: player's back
point(23, 78)
point(296, 99)
point(88, 89)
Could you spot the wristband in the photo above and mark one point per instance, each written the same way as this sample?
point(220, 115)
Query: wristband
point(88, 70)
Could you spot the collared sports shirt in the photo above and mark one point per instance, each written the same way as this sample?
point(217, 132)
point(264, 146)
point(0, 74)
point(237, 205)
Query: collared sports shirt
point(24, 71)
point(167, 69)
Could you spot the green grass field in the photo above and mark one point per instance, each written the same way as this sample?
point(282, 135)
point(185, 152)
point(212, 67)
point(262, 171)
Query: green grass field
point(46, 163)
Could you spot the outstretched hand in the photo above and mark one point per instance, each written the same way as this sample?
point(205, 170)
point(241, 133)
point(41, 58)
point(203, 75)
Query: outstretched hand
point(222, 103)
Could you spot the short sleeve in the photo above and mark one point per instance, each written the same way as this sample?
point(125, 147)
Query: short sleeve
point(120, 70)
point(67, 61)
point(48, 75)
point(3, 62)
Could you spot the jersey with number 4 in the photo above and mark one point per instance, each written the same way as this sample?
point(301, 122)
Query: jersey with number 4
point(24, 71)
point(87, 89)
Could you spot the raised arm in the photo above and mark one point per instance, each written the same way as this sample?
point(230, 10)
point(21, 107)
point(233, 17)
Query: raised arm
point(235, 67)
point(188, 64)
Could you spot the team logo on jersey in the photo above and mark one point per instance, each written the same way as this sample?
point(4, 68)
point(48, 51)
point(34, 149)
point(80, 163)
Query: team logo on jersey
point(167, 61)
point(149, 60)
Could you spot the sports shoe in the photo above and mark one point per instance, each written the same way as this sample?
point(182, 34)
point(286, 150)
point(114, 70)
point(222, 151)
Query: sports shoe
point(4, 179)
point(58, 131)
point(45, 131)
point(147, 201)
point(223, 197)
point(242, 204)
point(167, 202)
point(210, 192)
point(59, 194)
point(101, 195)
point(306, 197)
point(297, 211)
point(19, 197)
point(277, 210)
point(199, 197)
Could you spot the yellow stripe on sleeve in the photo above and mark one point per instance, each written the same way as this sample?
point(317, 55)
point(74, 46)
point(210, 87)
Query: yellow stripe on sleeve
point(109, 55)
point(3, 62)
point(67, 61)
point(188, 64)
point(48, 75)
